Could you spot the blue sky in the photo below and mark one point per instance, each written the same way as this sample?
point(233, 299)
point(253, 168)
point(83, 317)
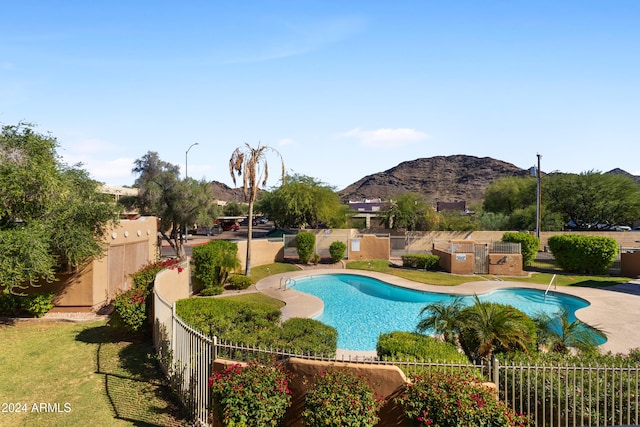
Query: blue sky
point(342, 89)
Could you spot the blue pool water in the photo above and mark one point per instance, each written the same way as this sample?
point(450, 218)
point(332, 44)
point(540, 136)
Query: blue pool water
point(361, 308)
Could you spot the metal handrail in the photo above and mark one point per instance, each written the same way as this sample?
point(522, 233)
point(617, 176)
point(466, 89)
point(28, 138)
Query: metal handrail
point(550, 283)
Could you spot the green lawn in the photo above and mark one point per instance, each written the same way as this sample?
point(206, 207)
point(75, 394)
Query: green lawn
point(75, 374)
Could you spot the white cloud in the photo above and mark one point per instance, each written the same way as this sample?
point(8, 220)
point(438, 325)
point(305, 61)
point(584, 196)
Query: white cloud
point(286, 141)
point(386, 138)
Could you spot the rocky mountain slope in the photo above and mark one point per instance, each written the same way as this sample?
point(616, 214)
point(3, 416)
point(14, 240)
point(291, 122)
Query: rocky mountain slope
point(444, 178)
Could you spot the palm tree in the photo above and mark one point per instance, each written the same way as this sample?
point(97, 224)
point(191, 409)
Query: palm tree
point(251, 164)
point(443, 317)
point(559, 334)
point(487, 327)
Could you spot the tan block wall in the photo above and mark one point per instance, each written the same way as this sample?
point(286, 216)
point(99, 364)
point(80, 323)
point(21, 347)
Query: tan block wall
point(371, 247)
point(173, 284)
point(506, 265)
point(630, 264)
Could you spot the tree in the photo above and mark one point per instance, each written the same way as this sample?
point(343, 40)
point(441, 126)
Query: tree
point(410, 212)
point(303, 201)
point(507, 194)
point(443, 317)
point(559, 334)
point(52, 216)
point(487, 328)
point(251, 164)
point(178, 203)
point(593, 199)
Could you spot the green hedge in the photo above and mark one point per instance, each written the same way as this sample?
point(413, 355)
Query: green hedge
point(529, 245)
point(308, 335)
point(421, 261)
point(305, 244)
point(414, 346)
point(214, 261)
point(578, 253)
point(239, 281)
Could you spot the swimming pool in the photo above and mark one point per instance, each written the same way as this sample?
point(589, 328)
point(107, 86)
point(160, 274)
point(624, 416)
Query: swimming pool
point(361, 308)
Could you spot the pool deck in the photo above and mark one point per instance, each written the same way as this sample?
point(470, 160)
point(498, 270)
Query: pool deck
point(615, 309)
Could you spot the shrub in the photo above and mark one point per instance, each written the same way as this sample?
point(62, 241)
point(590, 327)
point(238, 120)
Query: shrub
point(308, 336)
point(130, 309)
point(305, 244)
point(338, 398)
point(36, 305)
point(254, 395)
point(208, 291)
point(337, 250)
point(214, 262)
point(414, 346)
point(529, 245)
point(238, 281)
point(145, 277)
point(452, 400)
point(583, 254)
point(421, 261)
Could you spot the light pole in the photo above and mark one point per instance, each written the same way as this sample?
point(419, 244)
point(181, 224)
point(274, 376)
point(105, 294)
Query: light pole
point(186, 175)
point(186, 159)
point(538, 204)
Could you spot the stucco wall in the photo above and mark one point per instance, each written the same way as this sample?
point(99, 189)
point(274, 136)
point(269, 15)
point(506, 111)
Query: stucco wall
point(385, 381)
point(369, 247)
point(456, 263)
point(263, 251)
point(506, 265)
point(630, 264)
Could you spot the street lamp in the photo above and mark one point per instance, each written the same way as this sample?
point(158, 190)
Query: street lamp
point(186, 175)
point(186, 159)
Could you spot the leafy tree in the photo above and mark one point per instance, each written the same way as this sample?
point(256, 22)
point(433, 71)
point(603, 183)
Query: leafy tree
point(409, 211)
point(505, 195)
point(457, 221)
point(529, 245)
point(592, 198)
point(178, 203)
point(52, 216)
point(251, 164)
point(234, 208)
point(559, 334)
point(302, 202)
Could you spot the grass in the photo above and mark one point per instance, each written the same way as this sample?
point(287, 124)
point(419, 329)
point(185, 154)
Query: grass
point(262, 271)
point(84, 374)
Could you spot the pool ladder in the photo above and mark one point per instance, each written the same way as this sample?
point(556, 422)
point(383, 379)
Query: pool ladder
point(288, 282)
point(549, 287)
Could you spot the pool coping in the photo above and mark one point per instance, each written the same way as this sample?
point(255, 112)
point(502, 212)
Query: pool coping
point(611, 311)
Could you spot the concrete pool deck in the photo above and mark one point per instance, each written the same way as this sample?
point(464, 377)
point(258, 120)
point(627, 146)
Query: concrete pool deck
point(615, 309)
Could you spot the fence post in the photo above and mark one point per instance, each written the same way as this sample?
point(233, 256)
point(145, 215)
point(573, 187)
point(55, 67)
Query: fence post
point(496, 375)
point(215, 347)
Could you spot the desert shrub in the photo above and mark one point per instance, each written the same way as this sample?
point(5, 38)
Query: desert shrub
point(305, 245)
point(529, 245)
point(451, 400)
point(238, 281)
point(339, 398)
point(308, 336)
point(421, 261)
point(214, 261)
point(253, 395)
point(337, 250)
point(130, 310)
point(583, 254)
point(413, 346)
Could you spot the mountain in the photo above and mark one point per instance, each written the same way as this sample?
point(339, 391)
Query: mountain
point(223, 192)
point(625, 173)
point(444, 178)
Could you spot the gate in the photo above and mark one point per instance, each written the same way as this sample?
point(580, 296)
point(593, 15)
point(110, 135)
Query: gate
point(481, 259)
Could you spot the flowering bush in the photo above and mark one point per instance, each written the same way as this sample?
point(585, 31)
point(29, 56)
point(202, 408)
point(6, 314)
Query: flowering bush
point(340, 398)
point(254, 395)
point(447, 400)
point(144, 277)
point(131, 309)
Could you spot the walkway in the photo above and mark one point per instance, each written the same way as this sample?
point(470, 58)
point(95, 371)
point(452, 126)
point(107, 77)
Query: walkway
point(614, 309)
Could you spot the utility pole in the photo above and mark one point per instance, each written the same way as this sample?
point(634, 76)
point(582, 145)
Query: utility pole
point(186, 175)
point(538, 203)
